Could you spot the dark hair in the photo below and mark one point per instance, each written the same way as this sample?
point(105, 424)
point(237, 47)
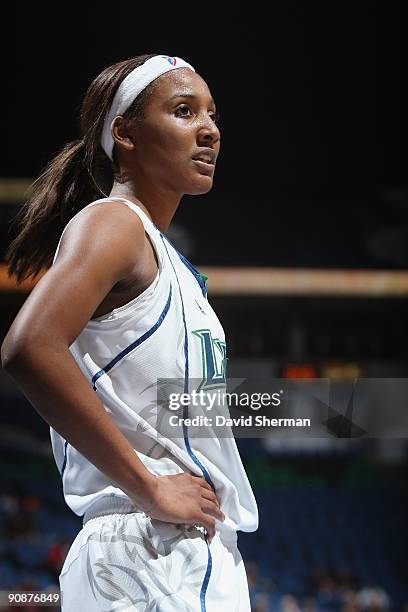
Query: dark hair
point(80, 173)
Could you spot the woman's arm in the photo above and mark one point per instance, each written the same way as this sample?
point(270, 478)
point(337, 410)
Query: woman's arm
point(99, 249)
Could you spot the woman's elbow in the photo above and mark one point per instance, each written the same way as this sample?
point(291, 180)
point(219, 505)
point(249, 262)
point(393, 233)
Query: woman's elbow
point(15, 351)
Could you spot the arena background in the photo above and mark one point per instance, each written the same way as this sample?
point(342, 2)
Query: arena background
point(304, 241)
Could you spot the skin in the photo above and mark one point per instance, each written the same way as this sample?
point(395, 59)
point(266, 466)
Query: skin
point(155, 157)
point(105, 259)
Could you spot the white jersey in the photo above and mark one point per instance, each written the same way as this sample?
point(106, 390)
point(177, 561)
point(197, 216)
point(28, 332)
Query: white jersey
point(169, 331)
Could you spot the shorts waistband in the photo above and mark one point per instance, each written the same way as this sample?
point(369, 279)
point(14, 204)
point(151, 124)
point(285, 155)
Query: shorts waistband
point(110, 505)
point(123, 505)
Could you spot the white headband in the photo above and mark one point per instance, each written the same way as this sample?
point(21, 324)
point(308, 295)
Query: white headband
point(131, 87)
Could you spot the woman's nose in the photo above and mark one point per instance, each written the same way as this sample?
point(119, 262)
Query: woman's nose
point(209, 132)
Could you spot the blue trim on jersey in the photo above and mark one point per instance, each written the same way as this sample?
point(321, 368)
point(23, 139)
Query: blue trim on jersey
point(135, 343)
point(186, 376)
point(186, 440)
point(120, 356)
point(193, 270)
point(65, 458)
point(206, 578)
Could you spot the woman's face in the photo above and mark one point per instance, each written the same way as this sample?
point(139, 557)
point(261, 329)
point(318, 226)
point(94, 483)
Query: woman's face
point(179, 127)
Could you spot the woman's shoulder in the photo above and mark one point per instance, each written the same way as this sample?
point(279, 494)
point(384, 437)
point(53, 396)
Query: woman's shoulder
point(107, 212)
point(103, 231)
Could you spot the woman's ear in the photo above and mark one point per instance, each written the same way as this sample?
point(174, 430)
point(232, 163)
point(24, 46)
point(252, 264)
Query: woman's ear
point(121, 133)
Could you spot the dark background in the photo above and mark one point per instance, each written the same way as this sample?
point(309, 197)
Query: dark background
point(313, 118)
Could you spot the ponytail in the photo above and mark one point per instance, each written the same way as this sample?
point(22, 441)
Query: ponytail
point(65, 187)
point(79, 174)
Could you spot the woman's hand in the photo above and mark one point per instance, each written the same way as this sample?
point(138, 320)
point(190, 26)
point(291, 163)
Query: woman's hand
point(185, 498)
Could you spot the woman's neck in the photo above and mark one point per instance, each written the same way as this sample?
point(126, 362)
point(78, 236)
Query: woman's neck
point(159, 207)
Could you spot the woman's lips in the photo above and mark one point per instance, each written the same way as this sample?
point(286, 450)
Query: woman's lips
point(204, 168)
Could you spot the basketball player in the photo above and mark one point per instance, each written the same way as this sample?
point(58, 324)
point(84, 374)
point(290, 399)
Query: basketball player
point(118, 309)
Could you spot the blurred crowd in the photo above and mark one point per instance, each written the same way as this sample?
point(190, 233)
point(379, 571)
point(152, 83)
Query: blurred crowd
point(336, 591)
point(21, 526)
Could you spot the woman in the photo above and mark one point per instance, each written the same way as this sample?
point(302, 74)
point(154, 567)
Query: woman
point(118, 310)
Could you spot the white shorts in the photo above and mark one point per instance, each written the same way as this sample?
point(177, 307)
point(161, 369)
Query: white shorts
point(129, 561)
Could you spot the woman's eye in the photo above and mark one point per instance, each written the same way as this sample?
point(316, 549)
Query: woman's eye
point(215, 117)
point(180, 111)
point(185, 111)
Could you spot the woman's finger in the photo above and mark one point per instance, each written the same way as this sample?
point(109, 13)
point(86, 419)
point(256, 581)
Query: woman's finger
point(210, 495)
point(212, 508)
point(209, 524)
point(205, 484)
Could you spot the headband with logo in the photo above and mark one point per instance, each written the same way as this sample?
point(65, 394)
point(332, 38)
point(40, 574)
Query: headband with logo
point(131, 87)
